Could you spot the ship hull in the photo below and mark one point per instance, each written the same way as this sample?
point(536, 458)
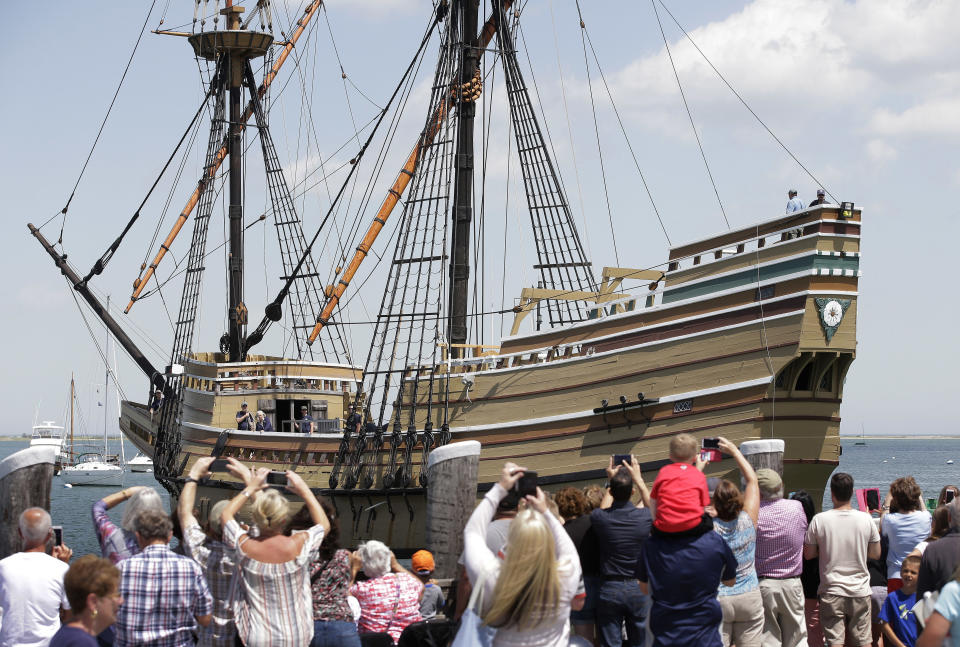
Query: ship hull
point(733, 344)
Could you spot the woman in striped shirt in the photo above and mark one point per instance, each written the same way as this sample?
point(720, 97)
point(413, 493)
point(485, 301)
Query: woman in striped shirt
point(272, 605)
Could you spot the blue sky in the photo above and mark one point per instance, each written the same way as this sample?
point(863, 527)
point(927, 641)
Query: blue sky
point(866, 94)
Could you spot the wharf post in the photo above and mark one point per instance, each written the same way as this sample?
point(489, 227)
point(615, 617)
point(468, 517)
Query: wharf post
point(766, 453)
point(25, 480)
point(451, 498)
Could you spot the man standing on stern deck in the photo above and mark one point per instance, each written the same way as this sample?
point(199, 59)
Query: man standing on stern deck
point(621, 529)
point(781, 525)
point(844, 539)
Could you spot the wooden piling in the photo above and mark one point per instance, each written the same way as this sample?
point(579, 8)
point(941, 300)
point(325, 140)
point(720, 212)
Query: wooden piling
point(767, 453)
point(451, 498)
point(25, 480)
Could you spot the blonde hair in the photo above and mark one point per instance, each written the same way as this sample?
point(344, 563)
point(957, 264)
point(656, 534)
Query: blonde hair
point(270, 512)
point(528, 585)
point(683, 447)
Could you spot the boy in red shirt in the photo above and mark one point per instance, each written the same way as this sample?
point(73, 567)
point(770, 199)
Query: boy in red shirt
point(679, 494)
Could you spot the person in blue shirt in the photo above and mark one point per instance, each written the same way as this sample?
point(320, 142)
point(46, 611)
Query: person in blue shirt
point(244, 418)
point(896, 615)
point(305, 424)
point(682, 575)
point(794, 203)
point(621, 528)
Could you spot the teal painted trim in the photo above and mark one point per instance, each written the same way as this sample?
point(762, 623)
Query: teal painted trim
point(749, 276)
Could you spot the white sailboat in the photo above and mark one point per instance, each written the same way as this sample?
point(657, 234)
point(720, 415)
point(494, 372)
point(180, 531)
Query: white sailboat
point(94, 468)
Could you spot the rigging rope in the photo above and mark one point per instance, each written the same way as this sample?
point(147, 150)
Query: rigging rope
point(573, 150)
point(103, 356)
point(689, 113)
point(100, 131)
point(623, 129)
point(596, 130)
point(743, 101)
point(101, 263)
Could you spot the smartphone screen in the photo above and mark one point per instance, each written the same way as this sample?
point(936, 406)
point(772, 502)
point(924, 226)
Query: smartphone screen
point(219, 465)
point(711, 443)
point(949, 496)
point(58, 535)
point(620, 459)
point(527, 484)
point(277, 478)
point(873, 499)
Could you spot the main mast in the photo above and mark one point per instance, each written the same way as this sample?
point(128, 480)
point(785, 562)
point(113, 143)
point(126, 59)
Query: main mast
point(463, 183)
point(236, 60)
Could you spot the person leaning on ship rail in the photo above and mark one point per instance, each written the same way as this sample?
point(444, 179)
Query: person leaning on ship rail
point(245, 420)
point(794, 203)
point(305, 424)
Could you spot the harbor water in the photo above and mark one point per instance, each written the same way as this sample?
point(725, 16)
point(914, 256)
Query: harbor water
point(875, 464)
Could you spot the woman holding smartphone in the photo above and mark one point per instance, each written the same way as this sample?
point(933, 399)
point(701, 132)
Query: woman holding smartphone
point(273, 605)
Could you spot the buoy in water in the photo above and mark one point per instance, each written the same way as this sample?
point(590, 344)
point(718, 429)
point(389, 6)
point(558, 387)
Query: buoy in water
point(68, 485)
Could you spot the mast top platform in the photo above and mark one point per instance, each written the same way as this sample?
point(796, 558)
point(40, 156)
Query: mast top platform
point(240, 43)
point(234, 41)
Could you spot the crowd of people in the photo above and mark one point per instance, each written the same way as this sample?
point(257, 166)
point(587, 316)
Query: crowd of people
point(690, 561)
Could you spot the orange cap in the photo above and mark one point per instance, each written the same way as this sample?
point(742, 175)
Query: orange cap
point(422, 562)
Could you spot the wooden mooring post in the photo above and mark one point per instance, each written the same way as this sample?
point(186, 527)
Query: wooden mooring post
point(451, 497)
point(764, 453)
point(25, 480)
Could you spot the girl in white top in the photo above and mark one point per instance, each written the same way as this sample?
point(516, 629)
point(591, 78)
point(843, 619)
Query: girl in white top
point(527, 594)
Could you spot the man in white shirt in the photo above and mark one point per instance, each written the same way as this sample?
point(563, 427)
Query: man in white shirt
point(31, 585)
point(844, 539)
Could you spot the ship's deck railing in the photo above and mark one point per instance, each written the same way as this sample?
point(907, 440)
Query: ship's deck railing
point(754, 244)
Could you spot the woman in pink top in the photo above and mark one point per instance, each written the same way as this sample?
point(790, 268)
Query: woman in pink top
point(526, 595)
point(390, 598)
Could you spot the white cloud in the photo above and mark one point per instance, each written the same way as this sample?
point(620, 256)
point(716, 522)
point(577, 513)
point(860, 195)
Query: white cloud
point(933, 117)
point(880, 151)
point(826, 53)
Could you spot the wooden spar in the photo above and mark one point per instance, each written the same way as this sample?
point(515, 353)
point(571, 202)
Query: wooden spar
point(393, 196)
point(141, 282)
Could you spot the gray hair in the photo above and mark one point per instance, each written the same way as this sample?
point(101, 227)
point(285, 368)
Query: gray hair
point(146, 499)
point(376, 558)
point(213, 517)
point(774, 495)
point(152, 525)
point(953, 509)
point(35, 531)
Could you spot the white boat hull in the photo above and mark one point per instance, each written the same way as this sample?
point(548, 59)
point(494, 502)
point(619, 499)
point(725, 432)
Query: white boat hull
point(93, 474)
point(140, 467)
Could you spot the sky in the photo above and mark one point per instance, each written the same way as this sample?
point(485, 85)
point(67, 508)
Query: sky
point(865, 95)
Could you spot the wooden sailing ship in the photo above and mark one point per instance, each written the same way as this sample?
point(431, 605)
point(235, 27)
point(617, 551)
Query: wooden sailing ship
point(747, 334)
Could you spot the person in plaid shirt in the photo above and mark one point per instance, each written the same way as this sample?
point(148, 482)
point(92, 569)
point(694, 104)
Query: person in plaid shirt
point(165, 595)
point(781, 526)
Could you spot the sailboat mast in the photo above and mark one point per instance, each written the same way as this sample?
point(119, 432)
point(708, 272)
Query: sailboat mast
point(463, 183)
point(237, 314)
point(71, 414)
point(106, 385)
